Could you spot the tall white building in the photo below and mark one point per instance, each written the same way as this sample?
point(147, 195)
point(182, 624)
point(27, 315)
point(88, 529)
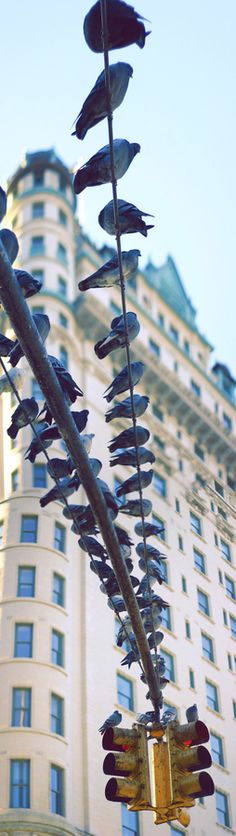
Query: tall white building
point(61, 672)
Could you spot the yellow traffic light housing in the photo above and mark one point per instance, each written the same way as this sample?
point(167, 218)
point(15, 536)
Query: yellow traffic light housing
point(128, 761)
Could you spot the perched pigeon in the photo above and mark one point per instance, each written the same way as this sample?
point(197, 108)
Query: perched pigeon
point(153, 567)
point(24, 414)
point(134, 655)
point(100, 568)
point(84, 520)
point(109, 274)
point(129, 457)
point(150, 529)
point(59, 468)
point(6, 345)
point(169, 715)
point(149, 551)
point(121, 381)
point(148, 717)
point(124, 408)
point(129, 216)
point(127, 438)
point(116, 603)
point(132, 484)
point(10, 243)
point(151, 619)
point(66, 487)
point(123, 536)
point(149, 581)
point(37, 444)
point(110, 722)
point(97, 170)
point(111, 586)
point(80, 419)
point(117, 337)
point(3, 203)
point(158, 664)
point(43, 327)
point(134, 508)
point(92, 546)
point(110, 500)
point(68, 385)
point(123, 23)
point(124, 630)
point(28, 284)
point(94, 108)
point(192, 713)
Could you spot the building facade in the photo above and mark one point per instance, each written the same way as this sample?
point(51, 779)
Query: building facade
point(61, 671)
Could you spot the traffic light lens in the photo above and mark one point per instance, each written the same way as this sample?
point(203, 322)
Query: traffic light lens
point(206, 786)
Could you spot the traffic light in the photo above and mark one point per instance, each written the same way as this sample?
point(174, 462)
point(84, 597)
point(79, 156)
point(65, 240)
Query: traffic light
point(128, 761)
point(186, 756)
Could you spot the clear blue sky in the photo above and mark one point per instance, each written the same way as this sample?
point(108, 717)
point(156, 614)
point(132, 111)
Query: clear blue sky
point(180, 107)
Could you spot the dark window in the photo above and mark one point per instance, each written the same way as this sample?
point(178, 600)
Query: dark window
point(165, 572)
point(159, 442)
point(38, 178)
point(26, 582)
point(219, 488)
point(180, 543)
point(161, 525)
point(130, 824)
point(159, 484)
point(161, 320)
point(225, 617)
point(220, 576)
point(62, 286)
point(191, 678)
point(222, 808)
point(57, 790)
point(63, 356)
point(180, 465)
point(207, 647)
point(212, 696)
point(14, 480)
point(234, 709)
point(154, 347)
point(186, 347)
point(125, 692)
point(21, 707)
point(58, 592)
point(232, 622)
point(166, 618)
point(215, 539)
point(195, 523)
point(63, 218)
point(23, 641)
point(169, 665)
point(29, 527)
point(57, 714)
point(177, 506)
point(222, 512)
point(230, 664)
point(37, 309)
point(230, 587)
point(38, 210)
point(203, 602)
point(61, 253)
point(199, 561)
point(157, 412)
point(62, 183)
point(227, 422)
point(184, 584)
point(36, 391)
point(38, 274)
point(225, 550)
point(57, 648)
point(37, 245)
point(63, 320)
point(174, 334)
point(195, 388)
point(212, 506)
point(1, 531)
point(59, 537)
point(199, 452)
point(39, 476)
point(20, 783)
point(187, 630)
point(126, 646)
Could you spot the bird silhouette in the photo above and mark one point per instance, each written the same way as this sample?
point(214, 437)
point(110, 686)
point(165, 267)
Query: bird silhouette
point(130, 219)
point(109, 274)
point(97, 170)
point(124, 26)
point(94, 108)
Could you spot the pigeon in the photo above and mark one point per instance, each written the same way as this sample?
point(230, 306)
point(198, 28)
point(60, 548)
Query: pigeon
point(152, 567)
point(149, 551)
point(24, 414)
point(163, 681)
point(134, 655)
point(148, 717)
point(115, 602)
point(68, 385)
point(121, 381)
point(117, 337)
point(92, 546)
point(59, 468)
point(148, 581)
point(3, 203)
point(154, 602)
point(80, 419)
point(108, 496)
point(6, 345)
point(84, 520)
point(129, 219)
point(110, 722)
point(135, 508)
point(101, 568)
point(128, 437)
point(124, 630)
point(150, 529)
point(151, 619)
point(94, 108)
point(129, 457)
point(169, 715)
point(124, 26)
point(65, 486)
point(158, 664)
point(37, 444)
point(10, 243)
point(123, 536)
point(111, 586)
point(192, 713)
point(6, 380)
point(29, 284)
point(43, 327)
point(123, 409)
point(97, 170)
point(132, 484)
point(109, 274)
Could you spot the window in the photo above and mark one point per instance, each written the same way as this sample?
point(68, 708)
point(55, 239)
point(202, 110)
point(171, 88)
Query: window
point(212, 506)
point(230, 664)
point(126, 646)
point(63, 320)
point(62, 286)
point(225, 618)
point(212, 696)
point(174, 334)
point(36, 391)
point(232, 622)
point(179, 434)
point(180, 543)
point(115, 309)
point(63, 356)
point(166, 618)
point(154, 347)
point(37, 309)
point(195, 388)
point(62, 183)
point(234, 709)
point(169, 665)
point(39, 274)
point(176, 366)
point(183, 584)
point(191, 678)
point(62, 218)
point(20, 783)
point(222, 808)
point(125, 694)
point(57, 790)
point(215, 539)
point(230, 587)
point(161, 320)
point(186, 347)
point(165, 572)
point(57, 648)
point(199, 561)
point(195, 523)
point(61, 253)
point(227, 422)
point(157, 412)
point(38, 210)
point(59, 537)
point(23, 641)
point(57, 714)
point(29, 527)
point(177, 506)
point(130, 824)
point(21, 707)
point(161, 525)
point(38, 178)
point(187, 630)
point(37, 246)
point(39, 476)
point(58, 591)
point(1, 531)
point(180, 465)
point(14, 480)
point(207, 647)
point(159, 442)
point(203, 602)
point(199, 452)
point(225, 550)
point(218, 488)
point(133, 283)
point(159, 484)
point(220, 576)
point(26, 582)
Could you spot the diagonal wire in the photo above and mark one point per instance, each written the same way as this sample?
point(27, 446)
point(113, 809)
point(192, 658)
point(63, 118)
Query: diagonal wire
point(103, 7)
